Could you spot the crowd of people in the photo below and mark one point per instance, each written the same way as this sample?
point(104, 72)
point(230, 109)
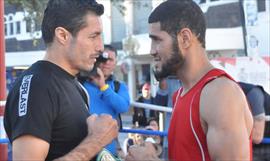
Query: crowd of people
point(67, 106)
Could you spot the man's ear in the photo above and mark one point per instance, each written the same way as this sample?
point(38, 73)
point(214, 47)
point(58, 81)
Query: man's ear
point(62, 35)
point(184, 38)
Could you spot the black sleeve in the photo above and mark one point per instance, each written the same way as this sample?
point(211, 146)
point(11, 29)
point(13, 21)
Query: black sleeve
point(30, 109)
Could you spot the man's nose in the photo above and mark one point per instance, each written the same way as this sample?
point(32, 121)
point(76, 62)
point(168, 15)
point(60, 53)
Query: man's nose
point(100, 46)
point(153, 51)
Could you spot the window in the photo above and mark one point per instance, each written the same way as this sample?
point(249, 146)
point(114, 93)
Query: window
point(18, 27)
point(6, 29)
point(261, 5)
point(11, 28)
point(5, 22)
point(37, 27)
point(10, 25)
point(28, 25)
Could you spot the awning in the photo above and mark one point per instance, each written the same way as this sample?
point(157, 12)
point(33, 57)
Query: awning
point(23, 58)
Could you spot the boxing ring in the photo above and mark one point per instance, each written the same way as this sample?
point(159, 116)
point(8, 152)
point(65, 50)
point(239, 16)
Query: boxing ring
point(150, 132)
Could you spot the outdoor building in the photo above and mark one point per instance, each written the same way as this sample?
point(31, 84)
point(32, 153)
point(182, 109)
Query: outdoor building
point(235, 28)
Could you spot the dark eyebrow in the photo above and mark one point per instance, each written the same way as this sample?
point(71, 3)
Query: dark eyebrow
point(96, 33)
point(154, 37)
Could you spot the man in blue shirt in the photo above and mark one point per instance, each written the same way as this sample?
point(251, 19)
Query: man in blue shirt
point(107, 95)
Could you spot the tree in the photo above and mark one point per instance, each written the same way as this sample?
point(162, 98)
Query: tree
point(35, 8)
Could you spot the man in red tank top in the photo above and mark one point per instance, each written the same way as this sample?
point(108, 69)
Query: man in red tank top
point(211, 119)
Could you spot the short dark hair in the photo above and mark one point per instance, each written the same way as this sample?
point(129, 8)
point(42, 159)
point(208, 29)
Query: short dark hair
point(69, 14)
point(175, 15)
point(111, 48)
point(152, 119)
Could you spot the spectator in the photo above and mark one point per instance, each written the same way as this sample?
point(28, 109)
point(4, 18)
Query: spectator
point(154, 139)
point(164, 98)
point(258, 100)
point(141, 115)
point(153, 123)
point(107, 95)
point(162, 94)
point(46, 115)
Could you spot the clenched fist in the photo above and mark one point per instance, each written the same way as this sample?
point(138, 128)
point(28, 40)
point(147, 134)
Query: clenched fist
point(102, 128)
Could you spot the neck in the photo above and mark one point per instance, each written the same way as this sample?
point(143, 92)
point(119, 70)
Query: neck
point(57, 56)
point(196, 65)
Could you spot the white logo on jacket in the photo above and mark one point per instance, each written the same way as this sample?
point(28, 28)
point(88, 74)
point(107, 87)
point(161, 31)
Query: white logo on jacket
point(24, 92)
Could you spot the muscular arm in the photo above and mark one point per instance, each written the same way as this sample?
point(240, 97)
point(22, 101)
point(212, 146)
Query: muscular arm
point(228, 121)
point(29, 147)
point(101, 131)
point(86, 150)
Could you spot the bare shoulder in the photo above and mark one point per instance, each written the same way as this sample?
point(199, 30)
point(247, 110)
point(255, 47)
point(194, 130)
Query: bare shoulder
point(222, 98)
point(223, 86)
point(223, 90)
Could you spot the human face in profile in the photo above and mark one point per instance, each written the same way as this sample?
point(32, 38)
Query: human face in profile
point(86, 46)
point(164, 48)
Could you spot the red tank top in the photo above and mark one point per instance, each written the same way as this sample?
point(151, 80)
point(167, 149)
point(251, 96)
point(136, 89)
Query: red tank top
point(186, 139)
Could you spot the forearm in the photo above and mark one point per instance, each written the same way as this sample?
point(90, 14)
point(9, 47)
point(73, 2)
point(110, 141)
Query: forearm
point(258, 130)
point(86, 150)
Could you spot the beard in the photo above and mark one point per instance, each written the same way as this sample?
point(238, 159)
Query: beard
point(172, 65)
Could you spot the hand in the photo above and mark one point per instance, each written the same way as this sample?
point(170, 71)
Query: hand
point(102, 128)
point(99, 80)
point(146, 152)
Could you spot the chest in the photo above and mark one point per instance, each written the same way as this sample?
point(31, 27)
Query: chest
point(72, 112)
point(186, 117)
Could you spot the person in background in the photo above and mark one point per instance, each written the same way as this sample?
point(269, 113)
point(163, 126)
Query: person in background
point(173, 84)
point(46, 115)
point(255, 98)
point(200, 128)
point(107, 95)
point(161, 97)
point(153, 123)
point(258, 99)
point(167, 86)
point(154, 139)
point(141, 115)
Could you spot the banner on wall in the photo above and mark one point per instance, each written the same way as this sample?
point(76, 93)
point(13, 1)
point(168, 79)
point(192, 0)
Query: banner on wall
point(251, 20)
point(255, 70)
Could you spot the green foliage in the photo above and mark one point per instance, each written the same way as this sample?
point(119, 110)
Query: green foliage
point(34, 8)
